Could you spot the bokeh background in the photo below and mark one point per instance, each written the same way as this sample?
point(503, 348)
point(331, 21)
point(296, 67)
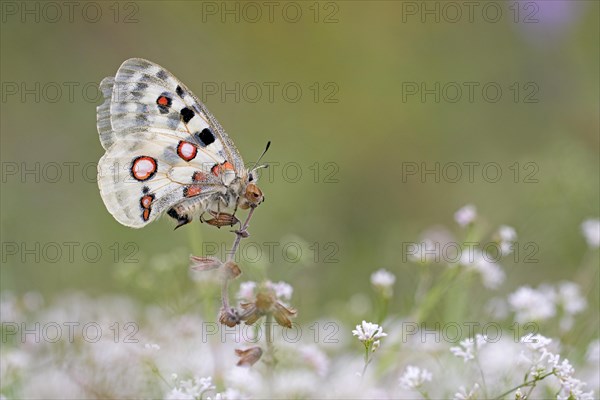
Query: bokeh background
point(351, 134)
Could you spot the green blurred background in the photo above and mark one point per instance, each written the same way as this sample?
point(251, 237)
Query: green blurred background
point(360, 54)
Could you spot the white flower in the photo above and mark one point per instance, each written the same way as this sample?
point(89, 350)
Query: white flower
point(424, 252)
point(191, 389)
point(282, 290)
point(572, 389)
point(591, 232)
point(507, 233)
point(414, 377)
point(178, 394)
point(492, 275)
point(569, 298)
point(592, 355)
point(246, 291)
point(536, 342)
point(533, 305)
point(508, 236)
point(463, 394)
point(313, 356)
point(368, 332)
point(383, 281)
point(383, 278)
point(465, 215)
point(151, 346)
point(468, 348)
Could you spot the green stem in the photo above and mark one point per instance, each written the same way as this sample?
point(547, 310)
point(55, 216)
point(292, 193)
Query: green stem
point(271, 359)
point(367, 360)
point(485, 395)
point(532, 382)
point(384, 308)
point(435, 293)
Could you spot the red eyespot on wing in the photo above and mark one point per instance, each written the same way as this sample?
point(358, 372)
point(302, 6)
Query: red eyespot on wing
point(146, 201)
point(143, 168)
point(191, 191)
point(146, 204)
point(218, 168)
point(186, 150)
point(163, 101)
point(198, 176)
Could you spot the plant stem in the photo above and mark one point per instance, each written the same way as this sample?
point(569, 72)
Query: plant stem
point(269, 338)
point(231, 255)
point(485, 395)
point(534, 381)
point(367, 360)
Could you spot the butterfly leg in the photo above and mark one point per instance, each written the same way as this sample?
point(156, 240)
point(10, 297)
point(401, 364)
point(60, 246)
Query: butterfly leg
point(235, 209)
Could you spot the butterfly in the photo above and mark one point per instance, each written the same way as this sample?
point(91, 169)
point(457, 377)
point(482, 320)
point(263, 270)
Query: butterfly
point(165, 152)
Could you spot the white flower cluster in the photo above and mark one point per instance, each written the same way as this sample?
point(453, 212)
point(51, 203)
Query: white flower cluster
point(469, 347)
point(383, 281)
point(414, 377)
point(191, 389)
point(383, 278)
point(591, 232)
point(542, 303)
point(369, 333)
point(466, 215)
point(508, 236)
point(492, 274)
point(466, 394)
point(283, 291)
point(544, 362)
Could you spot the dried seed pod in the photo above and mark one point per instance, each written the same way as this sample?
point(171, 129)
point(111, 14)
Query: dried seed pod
point(205, 263)
point(231, 270)
point(229, 317)
point(249, 356)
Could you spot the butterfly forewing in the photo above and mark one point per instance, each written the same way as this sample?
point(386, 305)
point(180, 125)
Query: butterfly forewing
point(163, 147)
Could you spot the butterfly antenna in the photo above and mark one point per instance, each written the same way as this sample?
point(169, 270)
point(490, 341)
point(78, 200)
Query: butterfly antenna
point(260, 158)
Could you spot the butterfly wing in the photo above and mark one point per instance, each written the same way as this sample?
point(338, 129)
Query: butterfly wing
point(163, 147)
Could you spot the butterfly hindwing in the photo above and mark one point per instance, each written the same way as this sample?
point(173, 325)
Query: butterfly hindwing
point(142, 176)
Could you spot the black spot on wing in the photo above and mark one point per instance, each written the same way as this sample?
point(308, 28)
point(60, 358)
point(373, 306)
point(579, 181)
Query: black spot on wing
point(179, 91)
point(187, 114)
point(206, 137)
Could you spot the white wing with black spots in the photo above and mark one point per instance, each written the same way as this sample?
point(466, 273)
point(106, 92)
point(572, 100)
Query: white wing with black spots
point(164, 150)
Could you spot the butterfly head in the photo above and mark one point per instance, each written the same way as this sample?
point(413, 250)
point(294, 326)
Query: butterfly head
point(253, 196)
